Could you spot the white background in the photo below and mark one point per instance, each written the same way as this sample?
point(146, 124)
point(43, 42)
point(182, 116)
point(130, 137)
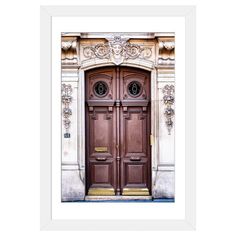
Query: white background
point(19, 119)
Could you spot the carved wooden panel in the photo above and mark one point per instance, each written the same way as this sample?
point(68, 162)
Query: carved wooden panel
point(132, 80)
point(100, 147)
point(135, 174)
point(95, 81)
point(135, 148)
point(101, 173)
point(101, 123)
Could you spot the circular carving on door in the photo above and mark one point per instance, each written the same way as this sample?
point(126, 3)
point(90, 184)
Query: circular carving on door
point(134, 88)
point(100, 89)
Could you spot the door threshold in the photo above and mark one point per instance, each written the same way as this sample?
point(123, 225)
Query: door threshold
point(117, 198)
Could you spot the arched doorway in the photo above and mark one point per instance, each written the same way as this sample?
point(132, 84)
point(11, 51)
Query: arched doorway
point(118, 127)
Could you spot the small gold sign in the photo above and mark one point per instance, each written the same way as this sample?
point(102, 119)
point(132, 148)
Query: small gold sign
point(151, 139)
point(100, 149)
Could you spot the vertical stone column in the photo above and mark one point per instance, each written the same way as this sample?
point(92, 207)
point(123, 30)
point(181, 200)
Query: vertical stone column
point(164, 176)
point(73, 188)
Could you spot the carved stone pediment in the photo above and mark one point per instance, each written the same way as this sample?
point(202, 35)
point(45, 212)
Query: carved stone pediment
point(117, 50)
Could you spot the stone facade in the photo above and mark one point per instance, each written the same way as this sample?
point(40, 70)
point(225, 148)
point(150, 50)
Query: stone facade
point(153, 52)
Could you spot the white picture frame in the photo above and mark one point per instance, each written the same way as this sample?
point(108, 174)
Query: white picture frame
point(47, 222)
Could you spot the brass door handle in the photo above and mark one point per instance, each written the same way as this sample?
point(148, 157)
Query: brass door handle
point(135, 158)
point(101, 158)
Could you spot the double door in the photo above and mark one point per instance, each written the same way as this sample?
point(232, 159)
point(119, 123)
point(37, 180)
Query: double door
point(118, 155)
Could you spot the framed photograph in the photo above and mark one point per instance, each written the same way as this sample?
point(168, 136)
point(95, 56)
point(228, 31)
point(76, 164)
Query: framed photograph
point(118, 118)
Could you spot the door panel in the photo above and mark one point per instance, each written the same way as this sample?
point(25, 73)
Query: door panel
point(135, 174)
point(134, 128)
point(101, 173)
point(135, 148)
point(101, 131)
point(101, 161)
point(117, 131)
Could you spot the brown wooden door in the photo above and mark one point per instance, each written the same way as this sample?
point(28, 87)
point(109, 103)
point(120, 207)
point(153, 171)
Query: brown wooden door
point(118, 156)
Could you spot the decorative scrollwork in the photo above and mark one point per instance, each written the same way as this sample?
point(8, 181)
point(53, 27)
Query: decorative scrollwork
point(101, 51)
point(117, 50)
point(169, 99)
point(66, 98)
point(132, 50)
point(146, 53)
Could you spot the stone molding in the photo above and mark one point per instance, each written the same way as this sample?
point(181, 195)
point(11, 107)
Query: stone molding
point(138, 63)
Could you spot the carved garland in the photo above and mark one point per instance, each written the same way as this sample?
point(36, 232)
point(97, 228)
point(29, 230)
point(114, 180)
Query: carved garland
point(169, 99)
point(66, 99)
point(117, 50)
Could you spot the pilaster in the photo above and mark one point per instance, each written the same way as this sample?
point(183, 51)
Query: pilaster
point(163, 177)
point(73, 187)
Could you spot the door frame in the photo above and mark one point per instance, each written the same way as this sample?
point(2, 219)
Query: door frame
point(122, 69)
point(81, 114)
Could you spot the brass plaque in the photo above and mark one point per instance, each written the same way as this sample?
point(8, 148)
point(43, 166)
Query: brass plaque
point(151, 139)
point(101, 192)
point(135, 192)
point(100, 149)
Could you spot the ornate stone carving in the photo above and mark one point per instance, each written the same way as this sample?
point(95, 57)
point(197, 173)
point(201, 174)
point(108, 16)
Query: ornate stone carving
point(66, 98)
point(66, 45)
point(167, 45)
point(166, 52)
point(168, 98)
point(117, 50)
point(69, 51)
